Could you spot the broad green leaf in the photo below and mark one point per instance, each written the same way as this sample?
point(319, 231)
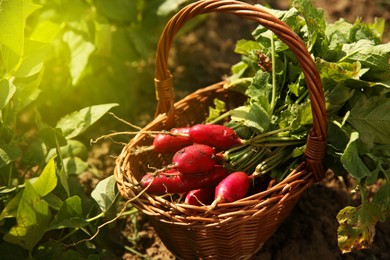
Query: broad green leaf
point(372, 56)
point(381, 198)
point(34, 154)
point(169, 6)
point(45, 31)
point(32, 220)
point(378, 26)
point(261, 90)
point(10, 59)
point(338, 33)
point(122, 11)
point(80, 50)
point(35, 53)
point(70, 215)
point(77, 122)
point(361, 31)
point(371, 118)
point(71, 149)
point(141, 44)
point(27, 90)
point(47, 181)
point(13, 14)
point(11, 209)
point(53, 201)
point(351, 159)
point(338, 96)
point(8, 154)
point(215, 112)
point(103, 39)
point(339, 71)
point(253, 116)
point(104, 193)
point(74, 165)
point(353, 233)
point(51, 136)
point(247, 47)
point(7, 90)
point(315, 21)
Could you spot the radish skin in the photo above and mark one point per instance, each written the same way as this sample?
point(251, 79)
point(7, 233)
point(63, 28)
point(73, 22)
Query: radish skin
point(172, 181)
point(196, 158)
point(200, 197)
point(166, 143)
point(218, 136)
point(234, 187)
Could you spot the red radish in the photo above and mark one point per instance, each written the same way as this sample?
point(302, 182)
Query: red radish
point(194, 158)
point(218, 136)
point(172, 181)
point(200, 197)
point(234, 187)
point(167, 143)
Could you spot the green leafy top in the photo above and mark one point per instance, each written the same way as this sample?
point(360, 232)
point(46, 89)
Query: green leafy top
point(354, 67)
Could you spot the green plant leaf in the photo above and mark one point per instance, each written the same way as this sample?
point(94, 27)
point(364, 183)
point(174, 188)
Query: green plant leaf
point(80, 50)
point(7, 90)
point(104, 193)
point(51, 136)
point(45, 31)
point(35, 53)
point(32, 219)
point(261, 89)
point(77, 122)
point(13, 14)
point(371, 118)
point(382, 199)
point(70, 215)
point(47, 181)
point(8, 154)
point(372, 56)
point(10, 59)
point(314, 18)
point(121, 11)
point(11, 209)
point(351, 159)
point(253, 116)
point(27, 90)
point(353, 233)
point(339, 71)
point(169, 6)
point(53, 200)
point(71, 149)
point(74, 165)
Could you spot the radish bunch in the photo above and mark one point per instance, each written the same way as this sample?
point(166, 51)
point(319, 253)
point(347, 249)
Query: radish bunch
point(197, 168)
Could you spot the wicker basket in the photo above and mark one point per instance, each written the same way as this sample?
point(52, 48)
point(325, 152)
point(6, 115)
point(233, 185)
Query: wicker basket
point(235, 230)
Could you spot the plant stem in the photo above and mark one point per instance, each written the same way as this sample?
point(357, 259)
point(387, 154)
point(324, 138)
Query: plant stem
point(216, 120)
point(273, 98)
point(96, 217)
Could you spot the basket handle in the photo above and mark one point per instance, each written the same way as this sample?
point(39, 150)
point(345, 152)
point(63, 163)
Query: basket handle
point(316, 142)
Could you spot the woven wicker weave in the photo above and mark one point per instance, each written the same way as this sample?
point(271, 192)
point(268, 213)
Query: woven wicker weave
point(235, 230)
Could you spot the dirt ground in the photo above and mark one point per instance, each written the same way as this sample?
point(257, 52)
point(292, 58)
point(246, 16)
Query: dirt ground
point(203, 57)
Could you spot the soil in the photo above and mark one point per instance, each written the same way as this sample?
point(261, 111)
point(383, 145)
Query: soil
point(202, 57)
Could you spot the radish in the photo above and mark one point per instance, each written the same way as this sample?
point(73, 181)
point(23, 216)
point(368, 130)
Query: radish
point(200, 197)
point(234, 187)
point(218, 136)
point(172, 181)
point(170, 143)
point(196, 158)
